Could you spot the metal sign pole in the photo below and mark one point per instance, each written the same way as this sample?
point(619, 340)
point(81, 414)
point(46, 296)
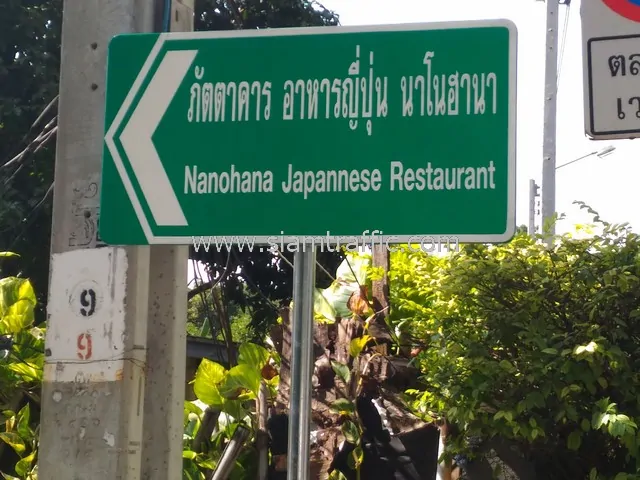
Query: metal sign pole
point(304, 269)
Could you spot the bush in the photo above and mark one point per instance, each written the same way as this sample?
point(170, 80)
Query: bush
point(534, 345)
point(21, 363)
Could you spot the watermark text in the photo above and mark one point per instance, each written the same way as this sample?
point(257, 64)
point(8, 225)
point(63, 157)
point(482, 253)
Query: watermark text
point(329, 243)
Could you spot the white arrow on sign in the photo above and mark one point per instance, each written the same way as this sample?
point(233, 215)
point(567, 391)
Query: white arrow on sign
point(137, 138)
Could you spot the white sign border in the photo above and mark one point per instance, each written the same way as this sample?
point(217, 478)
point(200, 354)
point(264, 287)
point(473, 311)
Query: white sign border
point(591, 131)
point(281, 32)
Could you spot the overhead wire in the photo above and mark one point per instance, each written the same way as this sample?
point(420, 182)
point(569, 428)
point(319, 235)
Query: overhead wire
point(563, 42)
point(15, 165)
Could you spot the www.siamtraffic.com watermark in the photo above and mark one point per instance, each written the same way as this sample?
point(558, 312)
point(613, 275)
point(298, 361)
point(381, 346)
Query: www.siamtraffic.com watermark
point(328, 243)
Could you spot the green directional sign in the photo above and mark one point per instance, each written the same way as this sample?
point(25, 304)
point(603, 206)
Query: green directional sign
point(405, 129)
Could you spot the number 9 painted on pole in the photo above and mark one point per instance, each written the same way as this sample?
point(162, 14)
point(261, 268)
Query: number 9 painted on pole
point(85, 346)
point(88, 302)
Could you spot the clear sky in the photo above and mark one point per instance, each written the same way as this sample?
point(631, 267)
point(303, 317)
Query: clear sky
point(609, 184)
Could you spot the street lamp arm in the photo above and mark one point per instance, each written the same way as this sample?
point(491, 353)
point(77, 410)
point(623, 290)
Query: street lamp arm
point(576, 160)
point(600, 153)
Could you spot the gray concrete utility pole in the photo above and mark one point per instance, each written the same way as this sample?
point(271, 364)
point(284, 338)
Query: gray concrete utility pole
point(97, 367)
point(167, 336)
point(549, 131)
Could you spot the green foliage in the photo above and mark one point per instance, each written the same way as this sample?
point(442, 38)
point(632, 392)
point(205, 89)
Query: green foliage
point(22, 438)
point(21, 375)
point(333, 302)
point(216, 386)
point(21, 363)
point(347, 297)
point(29, 63)
point(231, 392)
point(539, 346)
point(201, 316)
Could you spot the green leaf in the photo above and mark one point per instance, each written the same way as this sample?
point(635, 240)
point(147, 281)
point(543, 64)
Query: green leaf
point(343, 406)
point(550, 351)
point(241, 377)
point(598, 420)
point(23, 422)
point(190, 407)
point(8, 477)
point(593, 474)
point(14, 441)
point(570, 388)
point(255, 356)
point(535, 399)
point(29, 373)
point(591, 347)
point(333, 301)
point(322, 306)
point(506, 365)
point(354, 263)
point(575, 440)
point(354, 460)
point(17, 303)
point(337, 475)
point(13, 289)
point(341, 371)
point(24, 465)
point(350, 432)
point(8, 254)
point(189, 455)
point(207, 464)
point(208, 376)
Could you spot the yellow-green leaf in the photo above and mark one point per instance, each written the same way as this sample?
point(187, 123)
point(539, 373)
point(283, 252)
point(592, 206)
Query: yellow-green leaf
point(14, 441)
point(208, 376)
point(343, 406)
point(253, 355)
point(241, 377)
point(23, 422)
point(322, 306)
point(24, 465)
point(342, 371)
point(208, 464)
point(8, 477)
point(357, 345)
point(29, 373)
point(350, 432)
point(189, 455)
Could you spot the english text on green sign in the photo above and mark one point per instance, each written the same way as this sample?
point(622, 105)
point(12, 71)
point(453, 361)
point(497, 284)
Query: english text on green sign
point(410, 128)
